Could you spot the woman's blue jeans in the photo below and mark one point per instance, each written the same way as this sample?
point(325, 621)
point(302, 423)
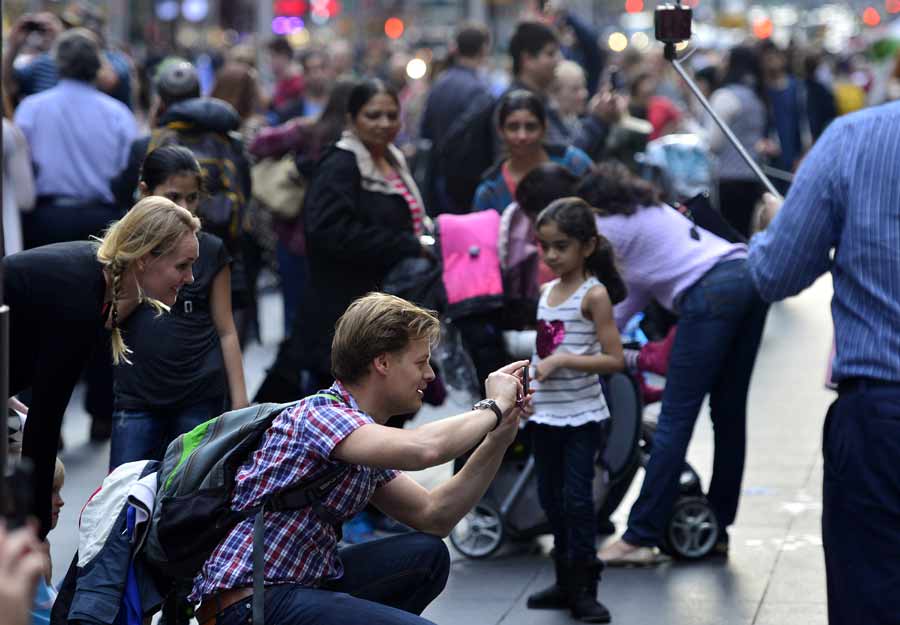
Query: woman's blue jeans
point(145, 434)
point(721, 319)
point(386, 582)
point(564, 461)
point(294, 275)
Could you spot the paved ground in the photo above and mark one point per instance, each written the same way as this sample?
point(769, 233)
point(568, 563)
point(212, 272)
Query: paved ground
point(775, 573)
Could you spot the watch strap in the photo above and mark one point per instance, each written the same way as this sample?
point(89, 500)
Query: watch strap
point(490, 404)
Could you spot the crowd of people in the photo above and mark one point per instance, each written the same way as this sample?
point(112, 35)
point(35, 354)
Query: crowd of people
point(137, 231)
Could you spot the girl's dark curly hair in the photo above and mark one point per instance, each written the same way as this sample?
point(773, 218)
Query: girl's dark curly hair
point(612, 189)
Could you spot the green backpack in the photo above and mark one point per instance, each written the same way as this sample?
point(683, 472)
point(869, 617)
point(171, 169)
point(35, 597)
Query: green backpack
point(193, 512)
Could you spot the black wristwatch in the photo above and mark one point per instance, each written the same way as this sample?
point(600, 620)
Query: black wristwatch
point(490, 404)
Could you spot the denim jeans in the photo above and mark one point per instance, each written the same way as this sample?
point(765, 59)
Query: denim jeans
point(145, 434)
point(386, 582)
point(861, 505)
point(721, 319)
point(294, 273)
point(564, 461)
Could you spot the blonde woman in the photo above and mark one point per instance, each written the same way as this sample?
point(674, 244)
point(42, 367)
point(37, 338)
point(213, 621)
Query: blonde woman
point(60, 295)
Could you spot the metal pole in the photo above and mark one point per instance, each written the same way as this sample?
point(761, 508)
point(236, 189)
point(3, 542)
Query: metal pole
point(670, 54)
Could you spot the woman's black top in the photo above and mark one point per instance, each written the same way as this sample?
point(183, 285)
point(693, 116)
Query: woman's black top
point(55, 295)
point(177, 357)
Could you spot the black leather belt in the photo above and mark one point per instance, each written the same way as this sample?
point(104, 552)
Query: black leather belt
point(852, 385)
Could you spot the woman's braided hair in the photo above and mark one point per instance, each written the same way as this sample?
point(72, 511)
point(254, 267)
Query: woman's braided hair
point(154, 226)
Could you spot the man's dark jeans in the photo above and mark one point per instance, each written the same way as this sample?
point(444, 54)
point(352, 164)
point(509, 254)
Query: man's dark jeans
point(721, 319)
point(564, 461)
point(861, 504)
point(386, 582)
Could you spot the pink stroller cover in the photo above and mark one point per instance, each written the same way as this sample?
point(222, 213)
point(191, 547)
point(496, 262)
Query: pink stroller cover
point(469, 253)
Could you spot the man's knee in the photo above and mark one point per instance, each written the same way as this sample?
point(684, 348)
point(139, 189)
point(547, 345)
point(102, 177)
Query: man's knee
point(437, 550)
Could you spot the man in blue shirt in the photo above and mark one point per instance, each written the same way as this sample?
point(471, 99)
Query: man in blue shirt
point(843, 215)
point(79, 140)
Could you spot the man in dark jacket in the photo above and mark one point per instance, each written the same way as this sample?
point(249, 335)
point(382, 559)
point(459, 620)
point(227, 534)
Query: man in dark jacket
point(177, 103)
point(453, 92)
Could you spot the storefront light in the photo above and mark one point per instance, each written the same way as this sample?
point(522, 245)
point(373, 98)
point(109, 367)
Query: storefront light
point(195, 10)
point(617, 42)
point(416, 69)
point(167, 10)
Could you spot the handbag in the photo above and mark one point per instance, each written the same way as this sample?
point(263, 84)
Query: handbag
point(279, 186)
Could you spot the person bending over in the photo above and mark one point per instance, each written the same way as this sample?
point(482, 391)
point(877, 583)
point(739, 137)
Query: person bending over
point(380, 360)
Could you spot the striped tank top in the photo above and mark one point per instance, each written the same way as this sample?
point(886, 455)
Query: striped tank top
point(568, 397)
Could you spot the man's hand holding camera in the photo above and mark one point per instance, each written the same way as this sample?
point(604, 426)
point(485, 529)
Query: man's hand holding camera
point(505, 386)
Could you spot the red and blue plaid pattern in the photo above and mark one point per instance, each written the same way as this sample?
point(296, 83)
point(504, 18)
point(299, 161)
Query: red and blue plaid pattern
point(300, 548)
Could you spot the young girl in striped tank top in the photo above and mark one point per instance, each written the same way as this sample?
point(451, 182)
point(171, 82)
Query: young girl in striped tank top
point(577, 341)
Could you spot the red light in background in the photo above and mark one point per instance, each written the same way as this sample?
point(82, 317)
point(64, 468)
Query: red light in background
point(871, 16)
point(892, 6)
point(289, 7)
point(634, 6)
point(394, 27)
point(763, 28)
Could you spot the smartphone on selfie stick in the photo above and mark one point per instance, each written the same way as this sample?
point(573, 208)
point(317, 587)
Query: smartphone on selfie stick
point(672, 24)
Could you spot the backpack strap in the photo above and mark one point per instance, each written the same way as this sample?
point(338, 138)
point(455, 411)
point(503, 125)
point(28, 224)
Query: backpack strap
point(258, 604)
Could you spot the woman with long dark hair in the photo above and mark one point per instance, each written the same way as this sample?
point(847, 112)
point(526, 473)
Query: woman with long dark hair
point(704, 279)
point(306, 139)
point(362, 214)
point(522, 126)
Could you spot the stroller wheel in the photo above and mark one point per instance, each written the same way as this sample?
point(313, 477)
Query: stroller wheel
point(693, 529)
point(480, 533)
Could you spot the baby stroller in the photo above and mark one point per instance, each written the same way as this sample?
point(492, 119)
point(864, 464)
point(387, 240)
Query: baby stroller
point(510, 508)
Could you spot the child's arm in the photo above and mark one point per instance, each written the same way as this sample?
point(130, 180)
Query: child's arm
point(596, 306)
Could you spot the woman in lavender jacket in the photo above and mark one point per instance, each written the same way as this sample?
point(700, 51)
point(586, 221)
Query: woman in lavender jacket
point(662, 255)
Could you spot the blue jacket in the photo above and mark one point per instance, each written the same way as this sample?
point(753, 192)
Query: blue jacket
point(494, 193)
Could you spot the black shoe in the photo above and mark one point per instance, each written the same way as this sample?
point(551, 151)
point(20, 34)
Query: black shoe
point(583, 594)
point(605, 527)
point(555, 597)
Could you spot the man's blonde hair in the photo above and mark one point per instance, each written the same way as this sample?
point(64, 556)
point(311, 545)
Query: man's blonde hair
point(59, 474)
point(154, 226)
point(376, 324)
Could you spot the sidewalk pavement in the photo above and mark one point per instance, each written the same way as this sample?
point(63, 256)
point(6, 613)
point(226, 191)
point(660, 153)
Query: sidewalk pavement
point(775, 571)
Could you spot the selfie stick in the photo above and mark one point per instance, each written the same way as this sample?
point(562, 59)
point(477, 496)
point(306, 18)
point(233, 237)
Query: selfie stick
point(671, 55)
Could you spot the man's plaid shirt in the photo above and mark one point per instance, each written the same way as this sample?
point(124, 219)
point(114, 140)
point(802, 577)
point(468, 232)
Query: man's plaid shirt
point(300, 548)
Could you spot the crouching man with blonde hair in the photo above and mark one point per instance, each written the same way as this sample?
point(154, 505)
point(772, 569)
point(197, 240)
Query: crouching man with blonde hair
point(380, 361)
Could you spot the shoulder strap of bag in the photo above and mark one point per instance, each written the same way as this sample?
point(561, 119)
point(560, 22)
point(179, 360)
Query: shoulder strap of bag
point(290, 498)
